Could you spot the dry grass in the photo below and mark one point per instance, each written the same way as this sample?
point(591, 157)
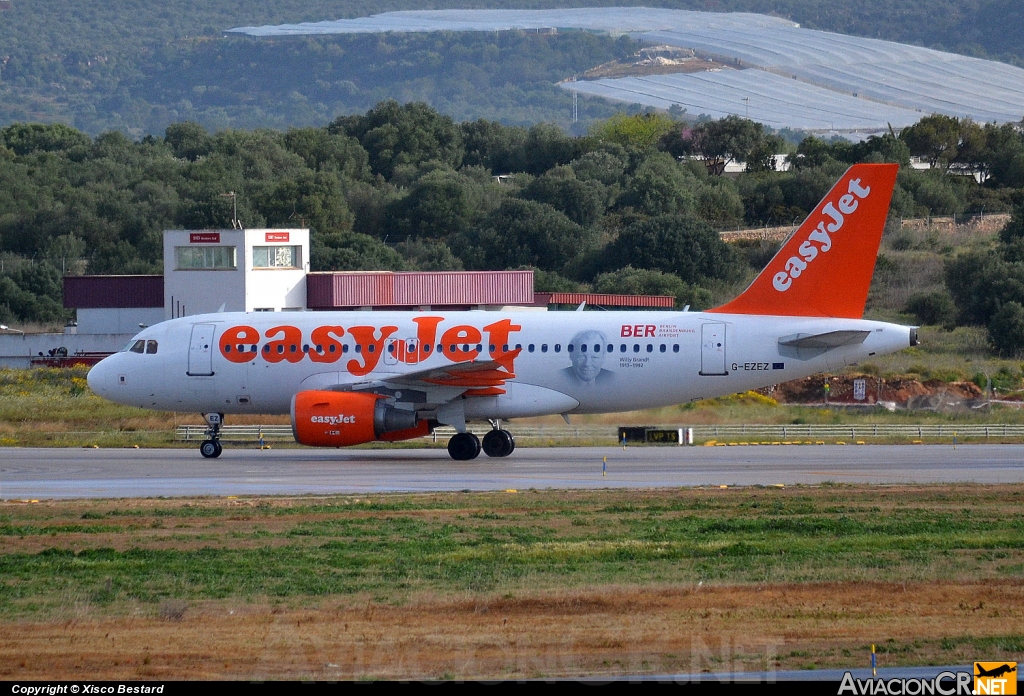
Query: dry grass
point(606, 631)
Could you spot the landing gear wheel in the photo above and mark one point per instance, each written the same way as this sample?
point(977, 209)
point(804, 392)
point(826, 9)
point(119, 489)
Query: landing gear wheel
point(210, 449)
point(499, 443)
point(464, 446)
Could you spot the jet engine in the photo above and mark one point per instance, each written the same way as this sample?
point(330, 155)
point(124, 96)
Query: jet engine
point(339, 419)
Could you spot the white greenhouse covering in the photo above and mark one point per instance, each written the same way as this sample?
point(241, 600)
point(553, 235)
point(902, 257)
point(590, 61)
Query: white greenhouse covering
point(785, 76)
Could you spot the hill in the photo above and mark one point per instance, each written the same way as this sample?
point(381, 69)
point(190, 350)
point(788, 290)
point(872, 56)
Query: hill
point(138, 67)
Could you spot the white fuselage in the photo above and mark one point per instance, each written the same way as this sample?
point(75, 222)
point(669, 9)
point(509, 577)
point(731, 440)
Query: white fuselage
point(631, 360)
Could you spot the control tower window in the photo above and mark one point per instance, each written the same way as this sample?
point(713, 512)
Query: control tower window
point(205, 258)
point(277, 257)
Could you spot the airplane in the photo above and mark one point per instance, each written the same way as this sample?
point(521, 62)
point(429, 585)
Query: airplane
point(347, 378)
point(994, 672)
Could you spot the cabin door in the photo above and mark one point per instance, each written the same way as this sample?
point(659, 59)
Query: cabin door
point(712, 349)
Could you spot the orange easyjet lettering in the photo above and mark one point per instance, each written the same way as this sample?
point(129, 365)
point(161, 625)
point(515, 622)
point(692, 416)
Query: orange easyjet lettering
point(287, 348)
point(325, 349)
point(369, 347)
point(464, 339)
point(238, 342)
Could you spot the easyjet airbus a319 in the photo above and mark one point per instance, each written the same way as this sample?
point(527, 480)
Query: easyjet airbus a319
point(352, 377)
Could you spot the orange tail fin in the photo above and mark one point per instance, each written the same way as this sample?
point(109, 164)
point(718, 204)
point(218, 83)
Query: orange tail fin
point(825, 267)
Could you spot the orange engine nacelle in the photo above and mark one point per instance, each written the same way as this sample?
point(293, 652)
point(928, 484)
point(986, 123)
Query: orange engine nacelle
point(340, 419)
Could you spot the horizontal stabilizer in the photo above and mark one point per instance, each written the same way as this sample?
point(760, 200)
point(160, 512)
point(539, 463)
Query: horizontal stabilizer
point(807, 346)
point(825, 341)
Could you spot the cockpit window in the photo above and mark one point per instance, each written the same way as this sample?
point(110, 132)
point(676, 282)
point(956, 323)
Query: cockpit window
point(138, 347)
point(150, 347)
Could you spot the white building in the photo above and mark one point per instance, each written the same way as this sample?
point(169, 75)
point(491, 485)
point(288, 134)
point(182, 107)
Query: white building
point(261, 270)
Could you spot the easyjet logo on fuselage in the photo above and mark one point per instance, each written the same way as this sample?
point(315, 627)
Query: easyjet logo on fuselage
point(462, 343)
point(819, 241)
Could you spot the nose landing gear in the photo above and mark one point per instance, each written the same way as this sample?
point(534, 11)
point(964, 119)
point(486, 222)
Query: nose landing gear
point(211, 447)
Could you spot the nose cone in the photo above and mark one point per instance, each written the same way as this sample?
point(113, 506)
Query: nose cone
point(102, 375)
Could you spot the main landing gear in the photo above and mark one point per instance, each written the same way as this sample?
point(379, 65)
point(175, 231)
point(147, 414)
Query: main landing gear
point(497, 443)
point(211, 447)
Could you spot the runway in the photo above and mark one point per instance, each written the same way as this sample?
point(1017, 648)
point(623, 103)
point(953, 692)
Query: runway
point(129, 473)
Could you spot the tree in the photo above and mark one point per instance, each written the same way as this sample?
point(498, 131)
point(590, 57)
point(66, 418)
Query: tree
point(638, 281)
point(1006, 329)
point(27, 138)
point(188, 140)
point(522, 233)
point(351, 251)
point(498, 148)
point(581, 201)
point(637, 132)
point(395, 134)
point(731, 138)
point(441, 203)
point(325, 151)
point(935, 138)
point(933, 309)
point(678, 244)
point(659, 186)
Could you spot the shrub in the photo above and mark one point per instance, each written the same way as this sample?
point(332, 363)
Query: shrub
point(1006, 329)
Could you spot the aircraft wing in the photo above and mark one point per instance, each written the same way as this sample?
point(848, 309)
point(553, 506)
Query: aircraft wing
point(437, 384)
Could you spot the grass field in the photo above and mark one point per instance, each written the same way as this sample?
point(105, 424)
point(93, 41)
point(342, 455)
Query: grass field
point(526, 583)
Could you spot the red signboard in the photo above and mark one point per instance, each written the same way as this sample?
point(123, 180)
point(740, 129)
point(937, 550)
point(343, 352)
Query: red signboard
point(204, 238)
point(277, 236)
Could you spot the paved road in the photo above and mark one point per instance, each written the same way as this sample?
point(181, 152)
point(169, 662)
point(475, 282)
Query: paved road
point(120, 473)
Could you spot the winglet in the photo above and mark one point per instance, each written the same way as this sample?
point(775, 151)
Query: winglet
point(824, 269)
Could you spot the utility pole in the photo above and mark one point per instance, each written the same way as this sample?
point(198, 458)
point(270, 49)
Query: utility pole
point(575, 104)
point(234, 208)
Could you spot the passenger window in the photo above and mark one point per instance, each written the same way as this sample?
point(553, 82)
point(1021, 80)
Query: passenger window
point(558, 347)
point(391, 347)
point(583, 347)
point(344, 348)
point(636, 347)
point(569, 348)
point(150, 347)
point(675, 348)
point(611, 348)
point(426, 348)
point(530, 348)
point(622, 348)
point(138, 347)
point(479, 347)
point(662, 348)
point(359, 348)
point(543, 347)
point(266, 348)
point(372, 348)
point(332, 348)
point(650, 347)
point(491, 347)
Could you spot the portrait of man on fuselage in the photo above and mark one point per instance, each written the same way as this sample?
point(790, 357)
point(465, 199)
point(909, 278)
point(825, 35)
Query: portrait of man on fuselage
point(588, 357)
